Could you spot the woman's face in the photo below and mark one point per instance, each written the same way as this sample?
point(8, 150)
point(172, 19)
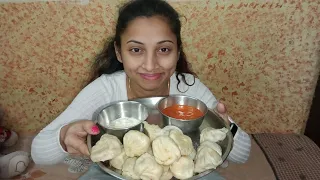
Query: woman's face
point(149, 52)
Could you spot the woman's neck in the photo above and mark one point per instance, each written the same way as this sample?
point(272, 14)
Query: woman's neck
point(135, 91)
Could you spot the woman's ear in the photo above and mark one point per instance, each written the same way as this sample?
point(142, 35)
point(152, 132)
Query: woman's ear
point(117, 50)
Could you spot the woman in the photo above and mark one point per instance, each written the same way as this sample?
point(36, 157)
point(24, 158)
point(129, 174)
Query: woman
point(144, 59)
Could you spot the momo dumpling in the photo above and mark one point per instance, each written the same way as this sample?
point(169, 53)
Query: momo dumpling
point(165, 150)
point(118, 161)
point(212, 134)
point(166, 130)
point(146, 167)
point(128, 168)
point(135, 143)
point(184, 142)
point(166, 174)
point(206, 158)
point(212, 145)
point(193, 154)
point(119, 171)
point(150, 151)
point(106, 148)
point(152, 130)
point(182, 168)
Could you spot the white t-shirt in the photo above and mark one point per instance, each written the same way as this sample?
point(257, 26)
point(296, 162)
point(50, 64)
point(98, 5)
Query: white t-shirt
point(46, 148)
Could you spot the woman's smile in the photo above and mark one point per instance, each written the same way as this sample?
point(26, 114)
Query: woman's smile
point(147, 76)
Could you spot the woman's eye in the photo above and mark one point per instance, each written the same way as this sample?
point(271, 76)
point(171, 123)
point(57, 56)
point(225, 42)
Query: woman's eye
point(135, 50)
point(164, 50)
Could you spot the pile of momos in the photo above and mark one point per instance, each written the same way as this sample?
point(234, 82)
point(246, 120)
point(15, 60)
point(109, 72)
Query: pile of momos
point(160, 153)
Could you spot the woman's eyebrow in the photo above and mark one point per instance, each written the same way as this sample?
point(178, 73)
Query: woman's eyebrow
point(164, 41)
point(134, 41)
point(160, 42)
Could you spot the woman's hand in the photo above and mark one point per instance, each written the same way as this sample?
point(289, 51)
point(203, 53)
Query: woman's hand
point(222, 111)
point(73, 136)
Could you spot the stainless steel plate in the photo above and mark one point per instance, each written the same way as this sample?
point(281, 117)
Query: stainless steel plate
point(211, 120)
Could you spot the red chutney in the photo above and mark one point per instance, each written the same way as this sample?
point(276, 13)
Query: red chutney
point(183, 112)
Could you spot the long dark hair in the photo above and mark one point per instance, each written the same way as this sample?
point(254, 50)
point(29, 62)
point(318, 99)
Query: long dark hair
point(106, 61)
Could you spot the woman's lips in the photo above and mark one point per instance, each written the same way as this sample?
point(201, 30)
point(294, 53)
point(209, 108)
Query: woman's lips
point(151, 76)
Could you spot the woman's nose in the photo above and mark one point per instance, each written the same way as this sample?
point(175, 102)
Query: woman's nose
point(150, 62)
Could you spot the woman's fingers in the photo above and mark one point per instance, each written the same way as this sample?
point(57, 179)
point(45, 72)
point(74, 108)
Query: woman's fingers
point(221, 108)
point(75, 136)
point(222, 111)
point(73, 151)
point(90, 127)
point(78, 145)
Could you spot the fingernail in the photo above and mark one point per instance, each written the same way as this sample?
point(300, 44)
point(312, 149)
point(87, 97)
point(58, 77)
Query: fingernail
point(95, 129)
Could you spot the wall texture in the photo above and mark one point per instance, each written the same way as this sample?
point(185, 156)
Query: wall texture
point(260, 57)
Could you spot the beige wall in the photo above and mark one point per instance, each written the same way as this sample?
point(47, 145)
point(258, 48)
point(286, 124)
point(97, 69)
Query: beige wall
point(259, 57)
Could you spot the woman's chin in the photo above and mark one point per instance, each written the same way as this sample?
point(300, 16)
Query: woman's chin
point(151, 88)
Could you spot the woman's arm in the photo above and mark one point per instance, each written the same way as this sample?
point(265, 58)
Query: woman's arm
point(46, 147)
point(241, 146)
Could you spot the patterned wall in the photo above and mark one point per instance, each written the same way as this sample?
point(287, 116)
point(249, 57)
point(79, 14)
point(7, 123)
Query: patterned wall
point(260, 57)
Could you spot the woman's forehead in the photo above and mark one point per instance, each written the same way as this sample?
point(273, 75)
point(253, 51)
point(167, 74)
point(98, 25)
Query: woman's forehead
point(153, 28)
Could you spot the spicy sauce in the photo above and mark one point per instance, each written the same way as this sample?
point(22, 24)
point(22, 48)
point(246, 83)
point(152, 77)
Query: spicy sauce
point(183, 112)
